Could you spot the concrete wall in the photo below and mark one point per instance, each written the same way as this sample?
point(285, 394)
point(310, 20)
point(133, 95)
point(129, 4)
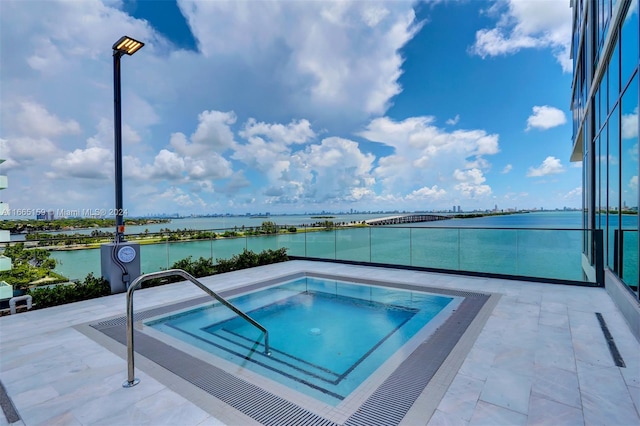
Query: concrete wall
point(625, 300)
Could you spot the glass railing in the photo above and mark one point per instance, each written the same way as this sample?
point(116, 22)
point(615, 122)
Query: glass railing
point(526, 252)
point(629, 259)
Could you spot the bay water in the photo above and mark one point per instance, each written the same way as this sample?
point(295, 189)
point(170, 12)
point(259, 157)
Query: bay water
point(541, 244)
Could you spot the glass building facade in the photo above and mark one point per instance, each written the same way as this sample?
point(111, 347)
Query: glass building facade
point(604, 104)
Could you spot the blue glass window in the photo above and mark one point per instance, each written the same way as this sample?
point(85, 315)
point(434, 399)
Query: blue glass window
point(629, 44)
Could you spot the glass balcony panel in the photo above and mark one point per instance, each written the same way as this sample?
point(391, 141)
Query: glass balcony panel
point(435, 248)
point(293, 242)
point(153, 257)
point(76, 264)
point(353, 244)
point(262, 243)
point(549, 254)
point(321, 244)
point(225, 248)
point(391, 245)
point(630, 259)
point(478, 245)
point(181, 250)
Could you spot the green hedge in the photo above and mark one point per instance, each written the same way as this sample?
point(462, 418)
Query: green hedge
point(90, 288)
point(249, 259)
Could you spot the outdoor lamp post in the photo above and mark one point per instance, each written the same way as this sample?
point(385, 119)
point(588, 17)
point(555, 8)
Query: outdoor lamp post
point(120, 260)
point(129, 46)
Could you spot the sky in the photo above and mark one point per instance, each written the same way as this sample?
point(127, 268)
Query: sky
point(294, 106)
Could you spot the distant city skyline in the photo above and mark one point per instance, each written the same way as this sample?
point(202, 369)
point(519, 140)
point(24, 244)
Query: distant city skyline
point(289, 107)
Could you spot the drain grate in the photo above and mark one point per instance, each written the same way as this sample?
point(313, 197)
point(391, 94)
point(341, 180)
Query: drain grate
point(391, 401)
point(613, 349)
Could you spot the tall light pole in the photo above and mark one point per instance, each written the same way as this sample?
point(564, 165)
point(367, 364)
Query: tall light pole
point(120, 260)
point(129, 46)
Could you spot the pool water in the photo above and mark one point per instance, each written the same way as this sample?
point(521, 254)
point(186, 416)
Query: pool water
point(326, 336)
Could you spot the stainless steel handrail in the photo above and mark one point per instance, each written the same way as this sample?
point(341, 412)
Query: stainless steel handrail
point(131, 380)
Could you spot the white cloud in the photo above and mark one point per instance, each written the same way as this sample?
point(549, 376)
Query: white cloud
point(349, 61)
point(296, 132)
point(335, 170)
point(574, 194)
point(453, 121)
point(90, 163)
point(507, 169)
point(198, 158)
point(550, 166)
point(630, 125)
point(425, 155)
point(545, 117)
point(426, 193)
point(213, 133)
point(471, 183)
point(34, 120)
point(25, 150)
point(526, 24)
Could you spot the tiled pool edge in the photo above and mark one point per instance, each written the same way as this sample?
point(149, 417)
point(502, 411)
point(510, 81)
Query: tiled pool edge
point(403, 392)
point(428, 401)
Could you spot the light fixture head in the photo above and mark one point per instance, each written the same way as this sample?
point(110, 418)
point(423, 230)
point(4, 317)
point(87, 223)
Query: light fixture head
point(127, 45)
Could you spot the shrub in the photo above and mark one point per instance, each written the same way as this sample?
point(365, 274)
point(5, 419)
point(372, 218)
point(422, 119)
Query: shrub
point(249, 259)
point(198, 268)
point(90, 288)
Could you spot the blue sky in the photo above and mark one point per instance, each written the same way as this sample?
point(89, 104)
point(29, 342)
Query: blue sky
point(289, 106)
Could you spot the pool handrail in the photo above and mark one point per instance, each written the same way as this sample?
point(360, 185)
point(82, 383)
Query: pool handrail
point(131, 379)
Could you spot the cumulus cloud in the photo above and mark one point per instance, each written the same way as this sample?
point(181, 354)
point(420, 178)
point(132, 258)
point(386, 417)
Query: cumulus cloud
point(90, 163)
point(426, 193)
point(332, 171)
point(550, 166)
point(526, 24)
point(425, 155)
point(198, 157)
point(507, 169)
point(34, 120)
point(471, 183)
point(351, 58)
point(630, 125)
point(574, 194)
point(296, 132)
point(545, 117)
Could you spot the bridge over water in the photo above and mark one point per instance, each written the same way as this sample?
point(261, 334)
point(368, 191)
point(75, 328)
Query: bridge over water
point(409, 218)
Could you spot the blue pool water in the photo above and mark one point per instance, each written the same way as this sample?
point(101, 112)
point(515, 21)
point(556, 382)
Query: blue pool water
point(326, 336)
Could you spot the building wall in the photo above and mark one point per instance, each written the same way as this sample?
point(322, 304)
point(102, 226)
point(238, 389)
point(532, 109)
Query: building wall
point(605, 115)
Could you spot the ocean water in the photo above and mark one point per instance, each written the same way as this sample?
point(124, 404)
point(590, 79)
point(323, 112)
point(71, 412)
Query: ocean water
point(542, 244)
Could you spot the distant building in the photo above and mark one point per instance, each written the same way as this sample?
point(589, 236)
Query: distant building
point(605, 137)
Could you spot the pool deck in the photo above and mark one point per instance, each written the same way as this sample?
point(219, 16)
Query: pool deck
point(540, 358)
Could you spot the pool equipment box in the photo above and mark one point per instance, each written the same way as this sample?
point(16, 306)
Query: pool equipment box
point(120, 264)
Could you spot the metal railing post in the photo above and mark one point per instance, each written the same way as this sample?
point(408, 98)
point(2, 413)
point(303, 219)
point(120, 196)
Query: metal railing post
point(131, 379)
point(598, 249)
